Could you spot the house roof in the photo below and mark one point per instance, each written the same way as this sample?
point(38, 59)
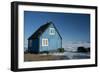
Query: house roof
point(40, 31)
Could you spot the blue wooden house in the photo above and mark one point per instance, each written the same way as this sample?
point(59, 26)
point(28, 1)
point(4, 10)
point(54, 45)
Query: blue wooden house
point(46, 38)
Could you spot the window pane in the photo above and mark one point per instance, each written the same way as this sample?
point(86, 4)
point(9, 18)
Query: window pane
point(30, 43)
point(52, 31)
point(44, 42)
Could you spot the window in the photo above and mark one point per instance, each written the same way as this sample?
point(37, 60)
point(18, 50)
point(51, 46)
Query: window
point(30, 43)
point(44, 42)
point(52, 31)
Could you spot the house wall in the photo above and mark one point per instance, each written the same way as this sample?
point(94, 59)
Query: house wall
point(54, 41)
point(35, 46)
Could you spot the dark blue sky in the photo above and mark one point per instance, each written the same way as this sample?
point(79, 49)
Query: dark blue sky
point(71, 26)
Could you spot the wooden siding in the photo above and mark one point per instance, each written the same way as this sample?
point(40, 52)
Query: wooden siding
point(54, 41)
point(35, 46)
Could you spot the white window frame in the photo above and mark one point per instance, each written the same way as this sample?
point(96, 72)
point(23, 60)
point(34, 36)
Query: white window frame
point(44, 42)
point(52, 33)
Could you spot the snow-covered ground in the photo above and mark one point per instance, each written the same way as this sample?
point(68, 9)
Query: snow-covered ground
point(73, 55)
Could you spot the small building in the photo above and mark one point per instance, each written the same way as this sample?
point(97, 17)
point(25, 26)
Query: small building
point(46, 38)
